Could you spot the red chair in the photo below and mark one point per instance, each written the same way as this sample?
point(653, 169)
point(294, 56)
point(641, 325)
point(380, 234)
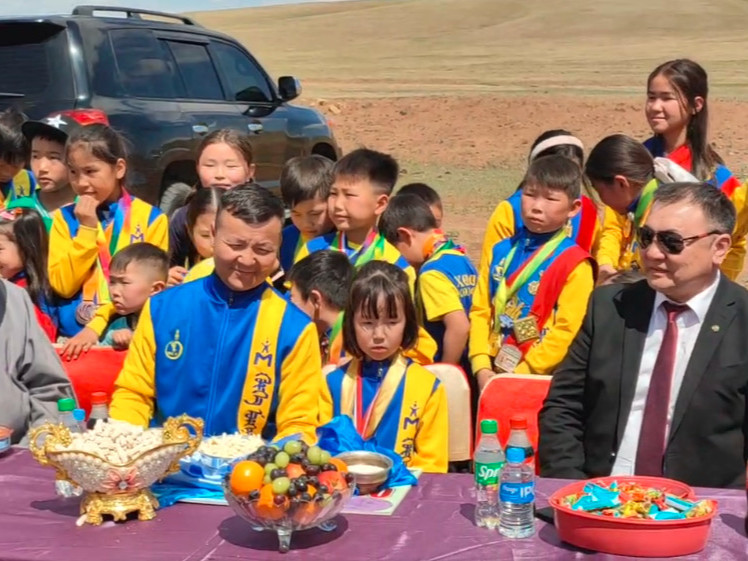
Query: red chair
point(507, 395)
point(94, 371)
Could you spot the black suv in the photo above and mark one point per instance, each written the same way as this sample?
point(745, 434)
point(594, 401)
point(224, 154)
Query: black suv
point(164, 82)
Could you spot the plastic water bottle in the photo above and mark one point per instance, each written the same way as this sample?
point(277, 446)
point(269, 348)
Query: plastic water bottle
point(517, 495)
point(488, 461)
point(518, 438)
point(66, 416)
point(99, 409)
point(80, 417)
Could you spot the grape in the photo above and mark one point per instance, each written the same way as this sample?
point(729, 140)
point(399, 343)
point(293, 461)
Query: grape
point(282, 459)
point(279, 499)
point(292, 491)
point(325, 457)
point(254, 495)
point(313, 481)
point(306, 497)
point(349, 478)
point(329, 467)
point(297, 458)
point(323, 489)
point(304, 446)
point(314, 453)
point(276, 473)
point(266, 480)
point(269, 468)
point(281, 485)
point(312, 470)
point(292, 447)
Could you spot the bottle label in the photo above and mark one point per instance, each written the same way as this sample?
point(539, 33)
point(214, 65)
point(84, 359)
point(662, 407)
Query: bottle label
point(488, 474)
point(517, 493)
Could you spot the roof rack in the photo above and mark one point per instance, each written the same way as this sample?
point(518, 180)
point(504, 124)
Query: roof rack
point(134, 13)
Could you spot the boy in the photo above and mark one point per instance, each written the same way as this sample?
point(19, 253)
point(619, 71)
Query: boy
point(429, 195)
point(319, 287)
point(529, 303)
point(446, 277)
point(47, 139)
point(305, 185)
point(136, 273)
point(15, 181)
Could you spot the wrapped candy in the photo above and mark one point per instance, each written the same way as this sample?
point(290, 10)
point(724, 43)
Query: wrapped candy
point(629, 500)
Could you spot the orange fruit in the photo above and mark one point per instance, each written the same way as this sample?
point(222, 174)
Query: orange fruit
point(333, 480)
point(295, 470)
point(266, 507)
point(340, 464)
point(246, 477)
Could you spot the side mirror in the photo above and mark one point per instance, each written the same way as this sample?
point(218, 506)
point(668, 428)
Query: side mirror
point(289, 88)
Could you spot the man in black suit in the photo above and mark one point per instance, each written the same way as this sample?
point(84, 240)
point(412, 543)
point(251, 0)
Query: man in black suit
point(656, 381)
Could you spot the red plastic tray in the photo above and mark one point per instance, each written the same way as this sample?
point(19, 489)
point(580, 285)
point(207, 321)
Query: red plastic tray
point(624, 536)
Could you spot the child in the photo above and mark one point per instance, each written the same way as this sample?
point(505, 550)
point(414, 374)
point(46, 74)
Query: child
point(319, 286)
point(446, 277)
point(428, 195)
point(224, 161)
point(137, 272)
point(400, 404)
point(624, 174)
point(47, 139)
point(23, 260)
point(677, 112)
point(530, 301)
point(85, 236)
point(15, 181)
point(506, 219)
point(305, 185)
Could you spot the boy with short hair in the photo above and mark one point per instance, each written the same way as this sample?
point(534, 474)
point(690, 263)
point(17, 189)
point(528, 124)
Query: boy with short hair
point(47, 139)
point(15, 180)
point(319, 287)
point(428, 195)
point(305, 185)
point(136, 273)
point(446, 277)
point(530, 303)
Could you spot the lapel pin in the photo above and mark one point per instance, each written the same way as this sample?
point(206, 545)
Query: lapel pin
point(715, 328)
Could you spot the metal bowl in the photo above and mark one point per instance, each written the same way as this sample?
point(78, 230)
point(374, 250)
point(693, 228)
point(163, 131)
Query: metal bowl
point(5, 434)
point(370, 481)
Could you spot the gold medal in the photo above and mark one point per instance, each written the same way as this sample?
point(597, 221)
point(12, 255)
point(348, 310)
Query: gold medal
point(507, 360)
point(493, 343)
point(526, 329)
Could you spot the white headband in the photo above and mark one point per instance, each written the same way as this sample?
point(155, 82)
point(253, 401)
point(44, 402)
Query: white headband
point(555, 141)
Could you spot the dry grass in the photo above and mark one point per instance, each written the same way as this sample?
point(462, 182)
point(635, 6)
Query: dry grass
point(411, 47)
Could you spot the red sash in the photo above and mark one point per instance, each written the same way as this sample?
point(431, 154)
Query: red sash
point(552, 283)
point(587, 222)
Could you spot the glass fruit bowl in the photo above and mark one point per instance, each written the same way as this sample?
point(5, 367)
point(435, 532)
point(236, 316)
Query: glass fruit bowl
point(285, 516)
point(113, 488)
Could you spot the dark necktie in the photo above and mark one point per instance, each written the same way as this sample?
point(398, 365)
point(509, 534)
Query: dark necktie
point(651, 450)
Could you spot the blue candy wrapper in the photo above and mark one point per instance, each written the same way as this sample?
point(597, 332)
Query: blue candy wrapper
point(597, 498)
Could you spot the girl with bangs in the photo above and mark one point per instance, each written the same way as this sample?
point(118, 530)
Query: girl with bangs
point(391, 400)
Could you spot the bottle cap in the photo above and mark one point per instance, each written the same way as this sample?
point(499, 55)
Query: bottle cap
point(65, 404)
point(79, 415)
point(515, 455)
point(489, 426)
point(99, 398)
point(518, 422)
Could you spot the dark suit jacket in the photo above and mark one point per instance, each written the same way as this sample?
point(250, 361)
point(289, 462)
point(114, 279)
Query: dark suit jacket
point(585, 413)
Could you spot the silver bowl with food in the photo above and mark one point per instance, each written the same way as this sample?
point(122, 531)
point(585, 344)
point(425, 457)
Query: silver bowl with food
point(371, 469)
point(217, 454)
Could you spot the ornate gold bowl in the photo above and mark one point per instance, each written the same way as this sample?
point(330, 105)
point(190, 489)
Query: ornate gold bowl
point(116, 489)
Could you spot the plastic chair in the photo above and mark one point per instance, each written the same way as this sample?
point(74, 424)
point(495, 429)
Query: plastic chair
point(460, 415)
point(507, 395)
point(94, 371)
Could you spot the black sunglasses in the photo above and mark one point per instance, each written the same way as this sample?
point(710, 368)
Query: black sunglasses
point(669, 242)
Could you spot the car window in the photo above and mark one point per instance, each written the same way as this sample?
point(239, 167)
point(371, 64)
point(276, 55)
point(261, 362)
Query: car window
point(145, 69)
point(245, 80)
point(197, 71)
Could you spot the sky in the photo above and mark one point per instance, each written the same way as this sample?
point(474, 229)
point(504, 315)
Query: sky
point(49, 7)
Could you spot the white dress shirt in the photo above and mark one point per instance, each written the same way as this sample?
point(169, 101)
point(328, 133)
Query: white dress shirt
point(689, 324)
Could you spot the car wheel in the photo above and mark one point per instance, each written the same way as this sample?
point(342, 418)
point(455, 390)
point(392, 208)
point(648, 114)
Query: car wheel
point(174, 197)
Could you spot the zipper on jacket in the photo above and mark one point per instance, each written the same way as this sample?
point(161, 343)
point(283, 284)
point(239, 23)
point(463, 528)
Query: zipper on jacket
point(216, 364)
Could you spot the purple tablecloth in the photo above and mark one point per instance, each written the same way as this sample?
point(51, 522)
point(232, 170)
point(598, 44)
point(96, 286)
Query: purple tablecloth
point(434, 522)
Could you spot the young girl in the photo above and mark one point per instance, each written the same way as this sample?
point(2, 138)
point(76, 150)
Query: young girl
point(24, 245)
point(390, 399)
point(224, 160)
point(86, 235)
point(677, 112)
point(585, 227)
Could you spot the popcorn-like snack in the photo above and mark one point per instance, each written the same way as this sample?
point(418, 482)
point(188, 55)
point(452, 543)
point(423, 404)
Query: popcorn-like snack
point(629, 500)
point(230, 446)
point(116, 442)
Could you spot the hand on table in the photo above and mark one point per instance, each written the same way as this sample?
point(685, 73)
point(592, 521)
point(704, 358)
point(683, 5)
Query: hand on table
point(81, 343)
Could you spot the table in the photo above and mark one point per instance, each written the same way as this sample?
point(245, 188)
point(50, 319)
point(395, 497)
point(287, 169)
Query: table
point(434, 522)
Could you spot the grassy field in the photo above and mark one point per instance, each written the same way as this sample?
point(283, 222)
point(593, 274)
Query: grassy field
point(423, 47)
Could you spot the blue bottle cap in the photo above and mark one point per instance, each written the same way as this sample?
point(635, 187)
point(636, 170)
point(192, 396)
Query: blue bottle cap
point(515, 455)
point(79, 415)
